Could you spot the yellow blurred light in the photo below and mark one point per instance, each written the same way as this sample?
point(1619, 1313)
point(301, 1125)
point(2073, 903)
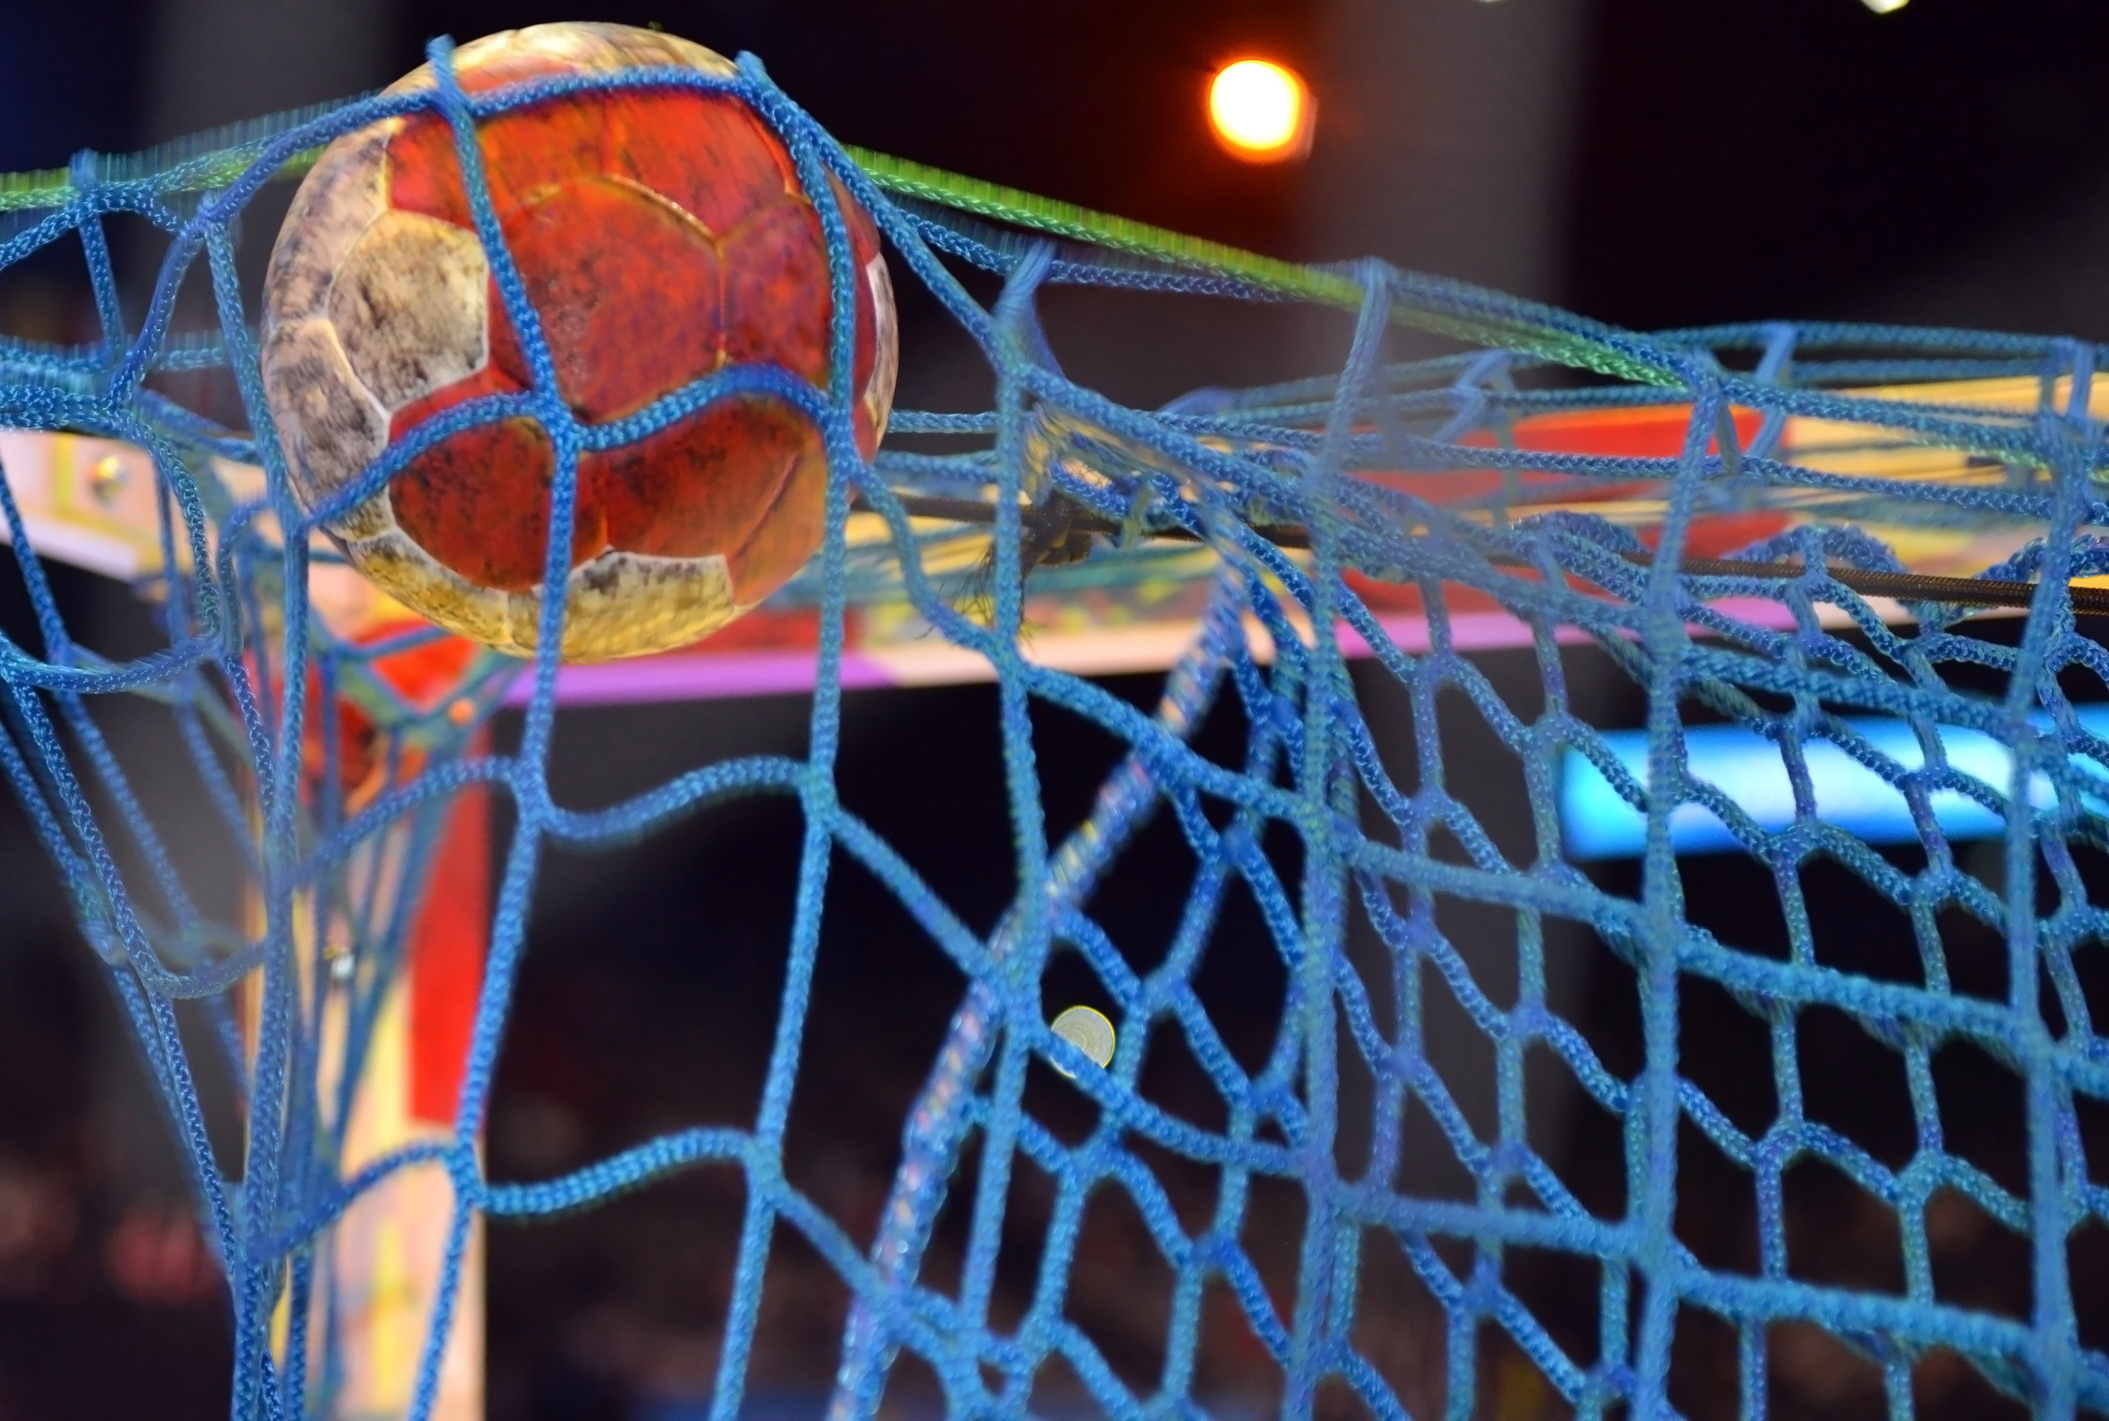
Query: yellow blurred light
point(1261, 111)
point(1089, 1032)
point(1883, 7)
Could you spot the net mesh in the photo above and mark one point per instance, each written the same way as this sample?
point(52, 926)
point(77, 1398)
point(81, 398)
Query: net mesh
point(1301, 545)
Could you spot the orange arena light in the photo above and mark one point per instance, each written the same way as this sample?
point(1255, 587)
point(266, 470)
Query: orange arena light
point(1261, 111)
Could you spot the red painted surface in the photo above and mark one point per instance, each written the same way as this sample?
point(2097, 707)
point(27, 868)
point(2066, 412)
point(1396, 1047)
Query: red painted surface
point(661, 235)
point(424, 676)
point(1650, 432)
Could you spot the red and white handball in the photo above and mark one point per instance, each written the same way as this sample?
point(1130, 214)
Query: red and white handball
point(662, 234)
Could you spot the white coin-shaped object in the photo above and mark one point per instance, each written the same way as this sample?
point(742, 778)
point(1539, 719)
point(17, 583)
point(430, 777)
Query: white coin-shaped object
point(1088, 1031)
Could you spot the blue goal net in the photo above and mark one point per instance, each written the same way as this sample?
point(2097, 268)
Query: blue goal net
point(1353, 535)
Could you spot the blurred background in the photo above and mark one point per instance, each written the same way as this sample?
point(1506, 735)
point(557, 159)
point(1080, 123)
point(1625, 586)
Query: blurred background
point(1648, 162)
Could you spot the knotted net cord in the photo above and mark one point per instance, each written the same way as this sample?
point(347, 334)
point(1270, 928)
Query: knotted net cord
point(1223, 466)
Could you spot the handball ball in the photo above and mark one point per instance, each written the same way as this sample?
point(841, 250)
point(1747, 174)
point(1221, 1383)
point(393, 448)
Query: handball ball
point(662, 234)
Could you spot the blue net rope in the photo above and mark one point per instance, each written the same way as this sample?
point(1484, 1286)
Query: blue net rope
point(1229, 470)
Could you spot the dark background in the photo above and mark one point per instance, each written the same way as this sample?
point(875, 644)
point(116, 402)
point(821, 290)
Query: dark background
point(1649, 162)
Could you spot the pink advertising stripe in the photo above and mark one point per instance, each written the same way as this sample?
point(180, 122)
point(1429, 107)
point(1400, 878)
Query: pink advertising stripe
point(696, 676)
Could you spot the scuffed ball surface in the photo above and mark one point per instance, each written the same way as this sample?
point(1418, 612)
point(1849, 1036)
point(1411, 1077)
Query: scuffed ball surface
point(661, 235)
